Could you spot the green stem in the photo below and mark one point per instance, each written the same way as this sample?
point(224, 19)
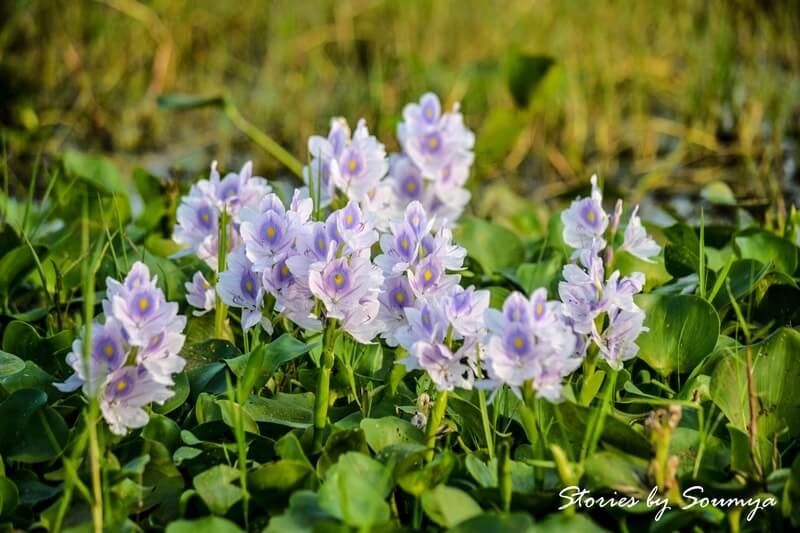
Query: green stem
point(504, 481)
point(88, 314)
point(597, 419)
point(220, 309)
point(434, 421)
point(488, 432)
point(322, 398)
point(263, 140)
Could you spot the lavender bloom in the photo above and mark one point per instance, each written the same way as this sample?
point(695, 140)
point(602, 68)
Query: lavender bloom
point(197, 223)
point(237, 190)
point(200, 294)
point(141, 328)
point(637, 242)
point(441, 247)
point(465, 309)
point(585, 221)
point(240, 286)
point(617, 343)
point(324, 153)
point(352, 228)
point(399, 250)
point(530, 341)
point(435, 140)
point(109, 352)
point(425, 323)
point(448, 370)
point(269, 232)
point(395, 297)
point(343, 282)
point(353, 165)
point(138, 304)
point(126, 392)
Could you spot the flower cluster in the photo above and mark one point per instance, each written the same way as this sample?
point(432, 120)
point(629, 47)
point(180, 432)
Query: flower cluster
point(133, 354)
point(532, 340)
point(603, 308)
point(299, 263)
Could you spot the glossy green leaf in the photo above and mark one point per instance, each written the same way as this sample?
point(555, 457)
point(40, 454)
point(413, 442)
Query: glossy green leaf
point(382, 432)
point(449, 506)
point(493, 247)
point(98, 171)
point(683, 330)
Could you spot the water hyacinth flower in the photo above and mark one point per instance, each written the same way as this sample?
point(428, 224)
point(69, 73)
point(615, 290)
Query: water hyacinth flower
point(618, 342)
point(637, 242)
point(448, 370)
point(269, 232)
point(240, 286)
point(425, 322)
point(394, 298)
point(133, 355)
point(348, 287)
point(199, 212)
point(200, 294)
point(355, 165)
point(435, 141)
point(530, 341)
point(585, 221)
point(465, 309)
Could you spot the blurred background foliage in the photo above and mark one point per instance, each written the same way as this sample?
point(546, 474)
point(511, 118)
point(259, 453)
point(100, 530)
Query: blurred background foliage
point(659, 97)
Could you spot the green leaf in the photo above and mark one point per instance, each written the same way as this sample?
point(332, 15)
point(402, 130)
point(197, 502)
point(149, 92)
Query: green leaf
point(162, 430)
point(208, 524)
point(493, 247)
point(545, 274)
point(292, 410)
point(189, 101)
point(355, 490)
point(9, 497)
point(620, 472)
point(22, 340)
point(281, 476)
point(415, 476)
point(499, 132)
point(304, 510)
point(181, 389)
point(10, 364)
point(776, 371)
point(767, 247)
point(37, 434)
point(683, 330)
point(496, 523)
point(16, 265)
point(719, 193)
point(682, 251)
point(98, 171)
point(382, 432)
point(215, 489)
point(744, 276)
point(524, 73)
point(448, 506)
point(201, 353)
point(278, 352)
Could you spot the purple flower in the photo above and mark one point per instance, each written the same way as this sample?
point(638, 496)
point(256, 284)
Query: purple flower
point(352, 228)
point(240, 286)
point(637, 242)
point(448, 370)
point(531, 341)
point(353, 165)
point(395, 297)
point(197, 223)
point(400, 250)
point(432, 139)
point(141, 328)
point(200, 294)
point(324, 153)
point(426, 322)
point(269, 232)
point(617, 342)
point(344, 283)
point(465, 309)
point(126, 393)
point(585, 221)
point(235, 191)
